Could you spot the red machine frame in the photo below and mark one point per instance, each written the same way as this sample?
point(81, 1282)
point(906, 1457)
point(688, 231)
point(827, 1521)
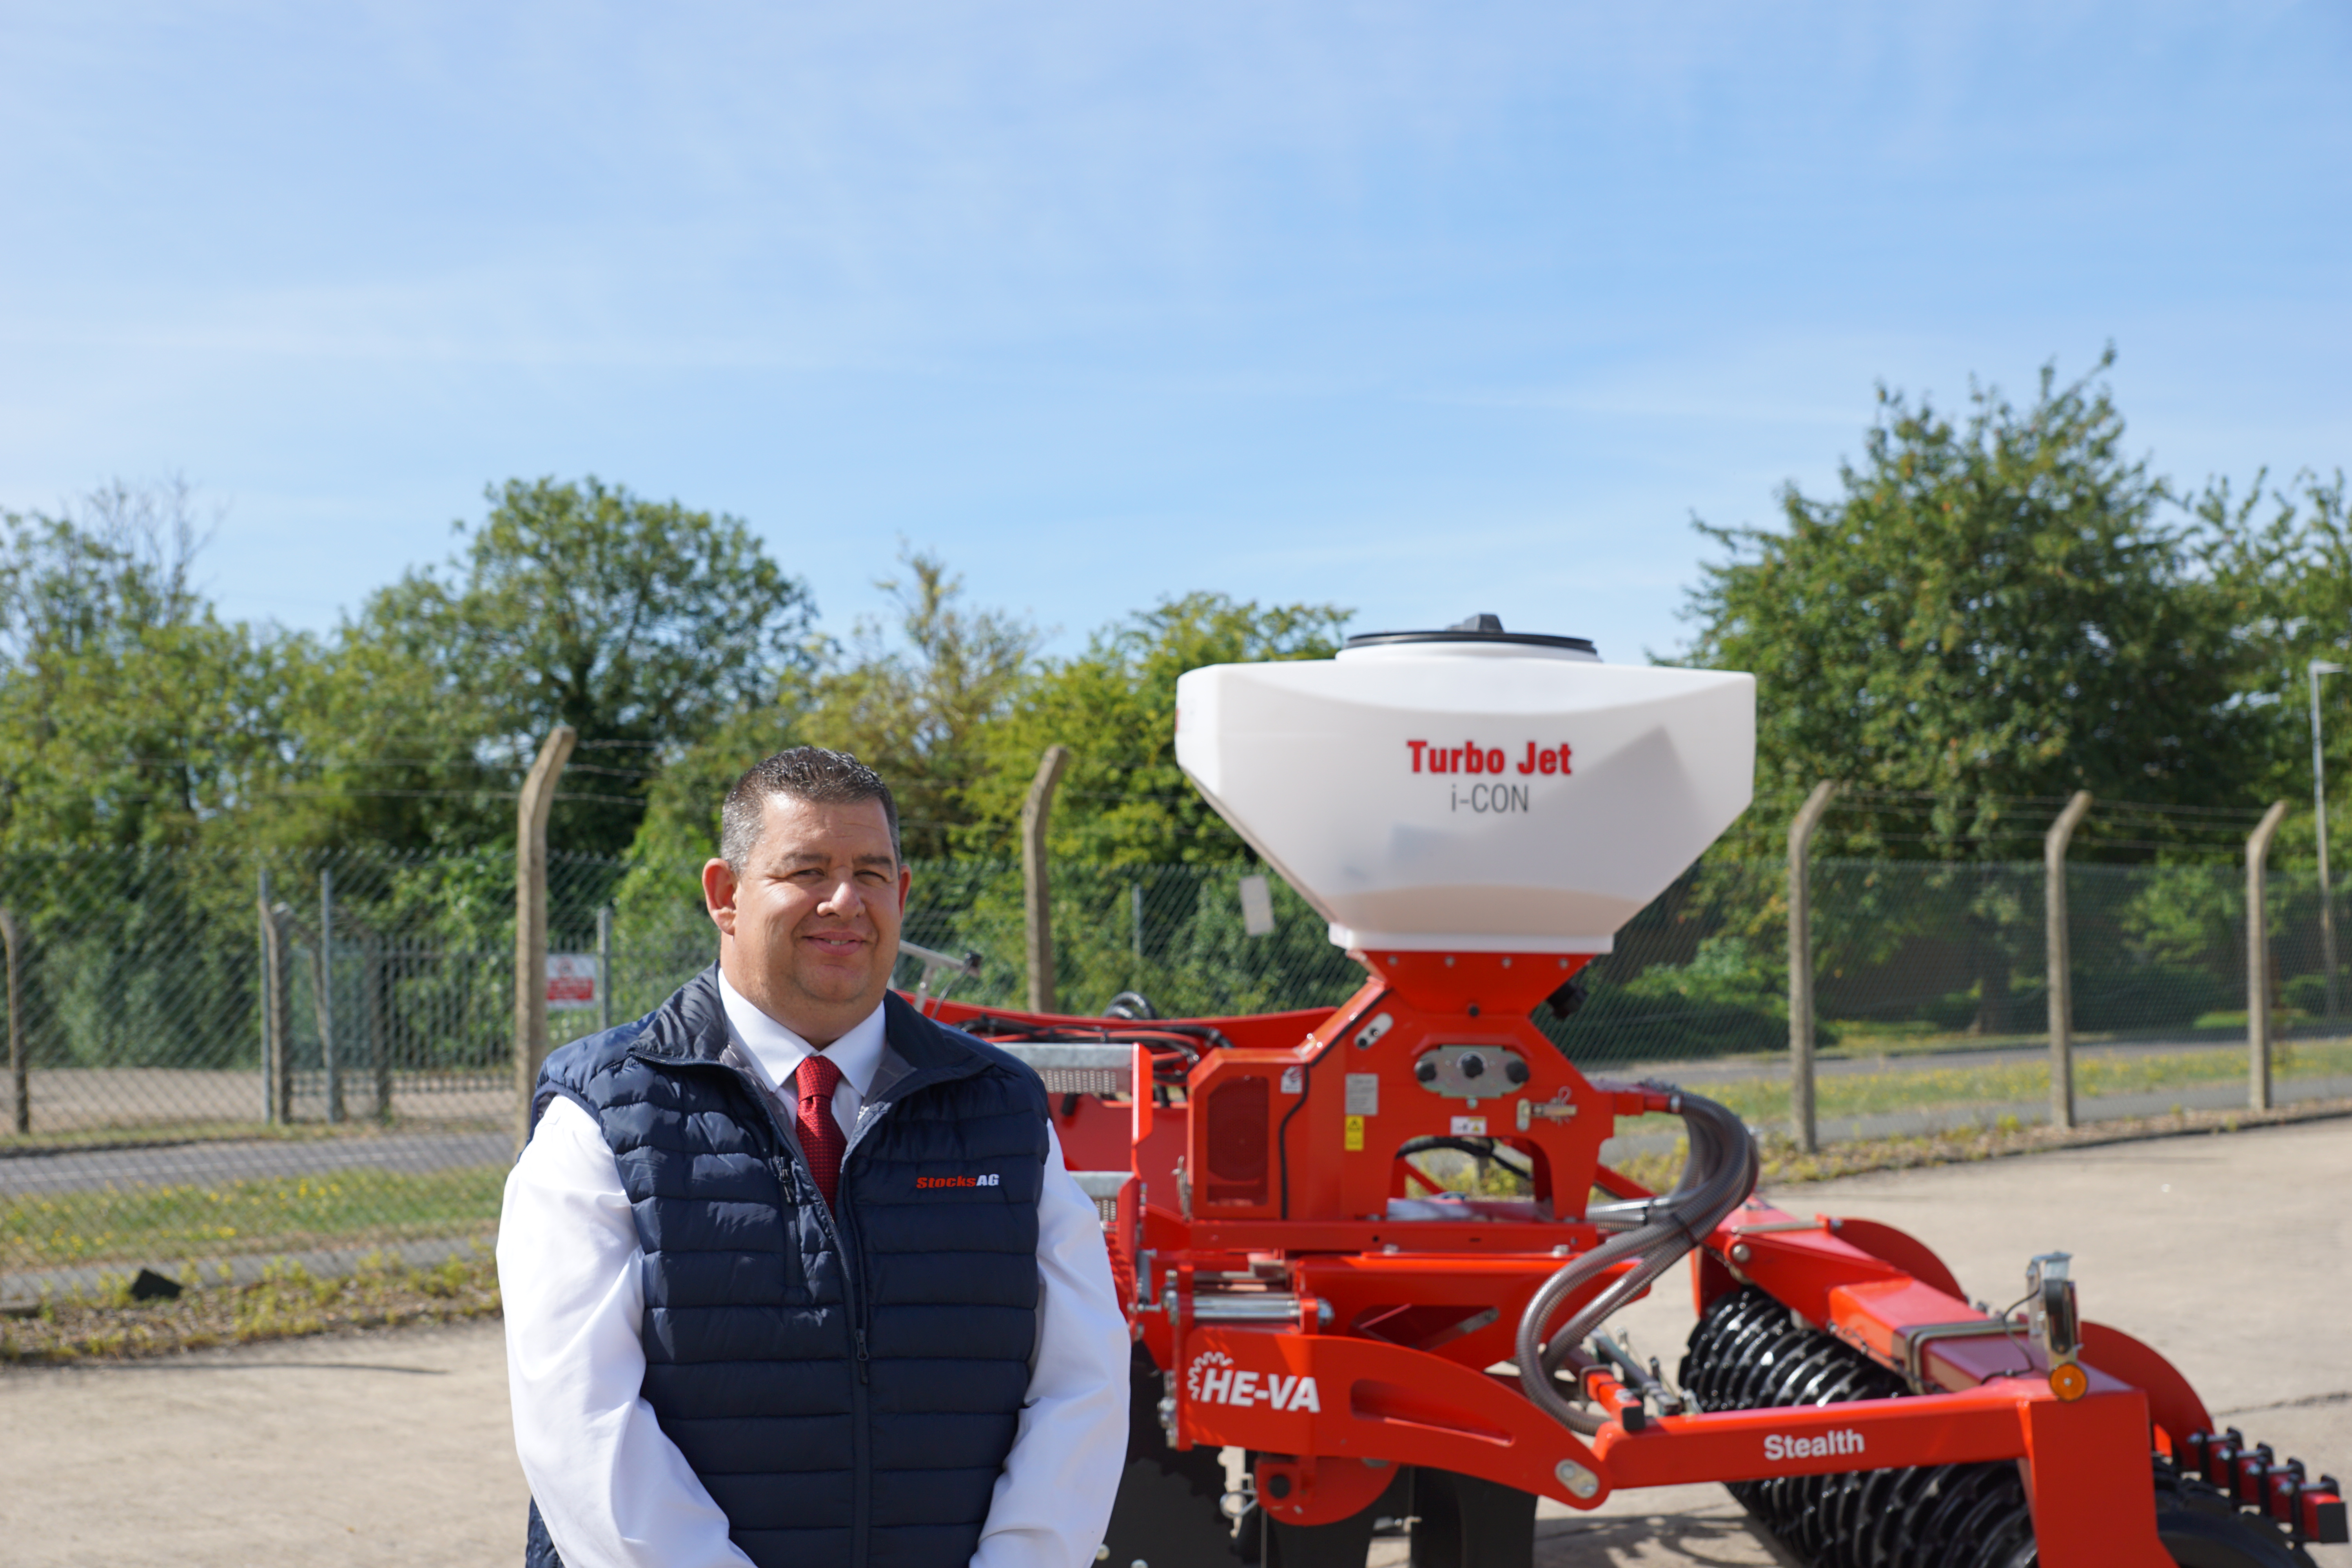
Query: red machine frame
point(1293, 1317)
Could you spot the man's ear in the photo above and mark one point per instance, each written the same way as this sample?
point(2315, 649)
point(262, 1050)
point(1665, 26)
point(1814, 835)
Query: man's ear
point(719, 894)
point(906, 880)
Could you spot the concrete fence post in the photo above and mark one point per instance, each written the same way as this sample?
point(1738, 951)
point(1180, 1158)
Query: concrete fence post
point(270, 1046)
point(278, 1006)
point(1801, 965)
point(530, 919)
point(604, 967)
point(1036, 892)
point(2258, 976)
point(2062, 980)
point(19, 1082)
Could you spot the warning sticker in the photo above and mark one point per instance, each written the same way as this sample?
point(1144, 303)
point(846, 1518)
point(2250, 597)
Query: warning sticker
point(1294, 1080)
point(1469, 1127)
point(1363, 1094)
point(1354, 1138)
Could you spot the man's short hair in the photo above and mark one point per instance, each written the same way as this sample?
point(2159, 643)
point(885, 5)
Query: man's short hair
point(805, 773)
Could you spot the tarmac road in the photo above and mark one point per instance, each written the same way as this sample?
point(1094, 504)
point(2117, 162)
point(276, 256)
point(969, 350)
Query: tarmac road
point(209, 1164)
point(2231, 1254)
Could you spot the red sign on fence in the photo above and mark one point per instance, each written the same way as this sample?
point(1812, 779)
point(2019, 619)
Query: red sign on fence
point(571, 980)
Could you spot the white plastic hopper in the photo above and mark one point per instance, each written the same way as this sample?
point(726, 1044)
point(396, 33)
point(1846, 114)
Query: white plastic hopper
point(1471, 790)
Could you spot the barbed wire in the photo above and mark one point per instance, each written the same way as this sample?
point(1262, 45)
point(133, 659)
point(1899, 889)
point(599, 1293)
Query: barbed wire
point(2098, 805)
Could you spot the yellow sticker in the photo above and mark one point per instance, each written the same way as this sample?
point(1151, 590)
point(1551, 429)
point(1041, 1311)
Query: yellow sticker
point(1355, 1136)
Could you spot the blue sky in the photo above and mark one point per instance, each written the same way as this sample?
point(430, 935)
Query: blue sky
point(1419, 309)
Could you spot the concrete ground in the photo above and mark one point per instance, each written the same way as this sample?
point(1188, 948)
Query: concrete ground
point(2231, 1254)
point(389, 1448)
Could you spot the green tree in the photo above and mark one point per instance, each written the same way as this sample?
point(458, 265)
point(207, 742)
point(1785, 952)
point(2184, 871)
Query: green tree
point(2282, 558)
point(1987, 616)
point(917, 713)
point(130, 713)
point(1124, 801)
point(643, 624)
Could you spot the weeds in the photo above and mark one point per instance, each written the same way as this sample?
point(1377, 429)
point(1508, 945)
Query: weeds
point(287, 1302)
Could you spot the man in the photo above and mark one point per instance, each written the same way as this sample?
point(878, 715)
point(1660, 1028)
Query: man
point(793, 1276)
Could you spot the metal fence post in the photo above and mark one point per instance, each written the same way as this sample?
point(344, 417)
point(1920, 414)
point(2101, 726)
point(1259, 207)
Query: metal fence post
point(2258, 999)
point(1801, 965)
point(1135, 916)
point(2062, 982)
point(20, 1082)
point(372, 973)
point(604, 967)
point(324, 1004)
point(1037, 901)
point(530, 919)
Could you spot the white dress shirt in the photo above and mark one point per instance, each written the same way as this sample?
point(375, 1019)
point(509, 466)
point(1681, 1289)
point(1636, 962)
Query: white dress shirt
point(615, 1490)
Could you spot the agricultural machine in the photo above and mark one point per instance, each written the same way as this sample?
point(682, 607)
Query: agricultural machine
point(1477, 812)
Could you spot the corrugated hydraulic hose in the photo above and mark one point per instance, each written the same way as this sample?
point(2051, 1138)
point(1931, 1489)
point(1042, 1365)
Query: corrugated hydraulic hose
point(1716, 1178)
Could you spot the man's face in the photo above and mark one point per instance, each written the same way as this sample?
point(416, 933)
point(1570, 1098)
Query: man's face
point(809, 930)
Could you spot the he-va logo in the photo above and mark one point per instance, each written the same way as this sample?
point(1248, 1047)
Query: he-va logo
point(1828, 1445)
point(1212, 1379)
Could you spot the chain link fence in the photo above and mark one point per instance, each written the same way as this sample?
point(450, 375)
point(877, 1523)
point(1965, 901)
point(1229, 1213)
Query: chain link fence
point(217, 1055)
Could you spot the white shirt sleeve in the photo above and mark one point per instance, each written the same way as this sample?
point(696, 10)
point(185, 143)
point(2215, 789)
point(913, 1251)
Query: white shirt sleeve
point(614, 1489)
point(1052, 1502)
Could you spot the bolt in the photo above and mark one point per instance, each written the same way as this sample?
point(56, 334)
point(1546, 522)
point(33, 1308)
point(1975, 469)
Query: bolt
point(1739, 1252)
point(1473, 1065)
point(1579, 1481)
point(1425, 1070)
point(1516, 1070)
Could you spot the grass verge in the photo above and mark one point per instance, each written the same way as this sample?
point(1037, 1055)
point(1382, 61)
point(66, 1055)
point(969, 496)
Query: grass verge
point(106, 1324)
point(119, 1134)
point(357, 1207)
point(1876, 1093)
point(1784, 1164)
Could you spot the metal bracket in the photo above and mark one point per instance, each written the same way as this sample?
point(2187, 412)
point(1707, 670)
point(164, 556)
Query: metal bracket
point(1915, 1340)
point(933, 961)
point(1553, 1109)
point(1471, 1072)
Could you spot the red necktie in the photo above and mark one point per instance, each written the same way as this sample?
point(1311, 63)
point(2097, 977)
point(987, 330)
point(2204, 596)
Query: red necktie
point(821, 1138)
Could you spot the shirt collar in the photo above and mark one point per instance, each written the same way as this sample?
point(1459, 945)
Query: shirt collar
point(780, 1050)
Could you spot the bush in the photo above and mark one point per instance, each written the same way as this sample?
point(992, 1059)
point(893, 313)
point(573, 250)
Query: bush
point(1725, 1000)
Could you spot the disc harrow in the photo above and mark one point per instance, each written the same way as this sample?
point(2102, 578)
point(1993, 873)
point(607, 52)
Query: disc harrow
point(1751, 1352)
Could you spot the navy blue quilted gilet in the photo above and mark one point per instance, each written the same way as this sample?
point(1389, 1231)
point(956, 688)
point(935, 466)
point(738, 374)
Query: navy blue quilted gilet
point(847, 1385)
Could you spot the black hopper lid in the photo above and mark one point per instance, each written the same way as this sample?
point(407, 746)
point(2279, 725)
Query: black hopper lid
point(1477, 629)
